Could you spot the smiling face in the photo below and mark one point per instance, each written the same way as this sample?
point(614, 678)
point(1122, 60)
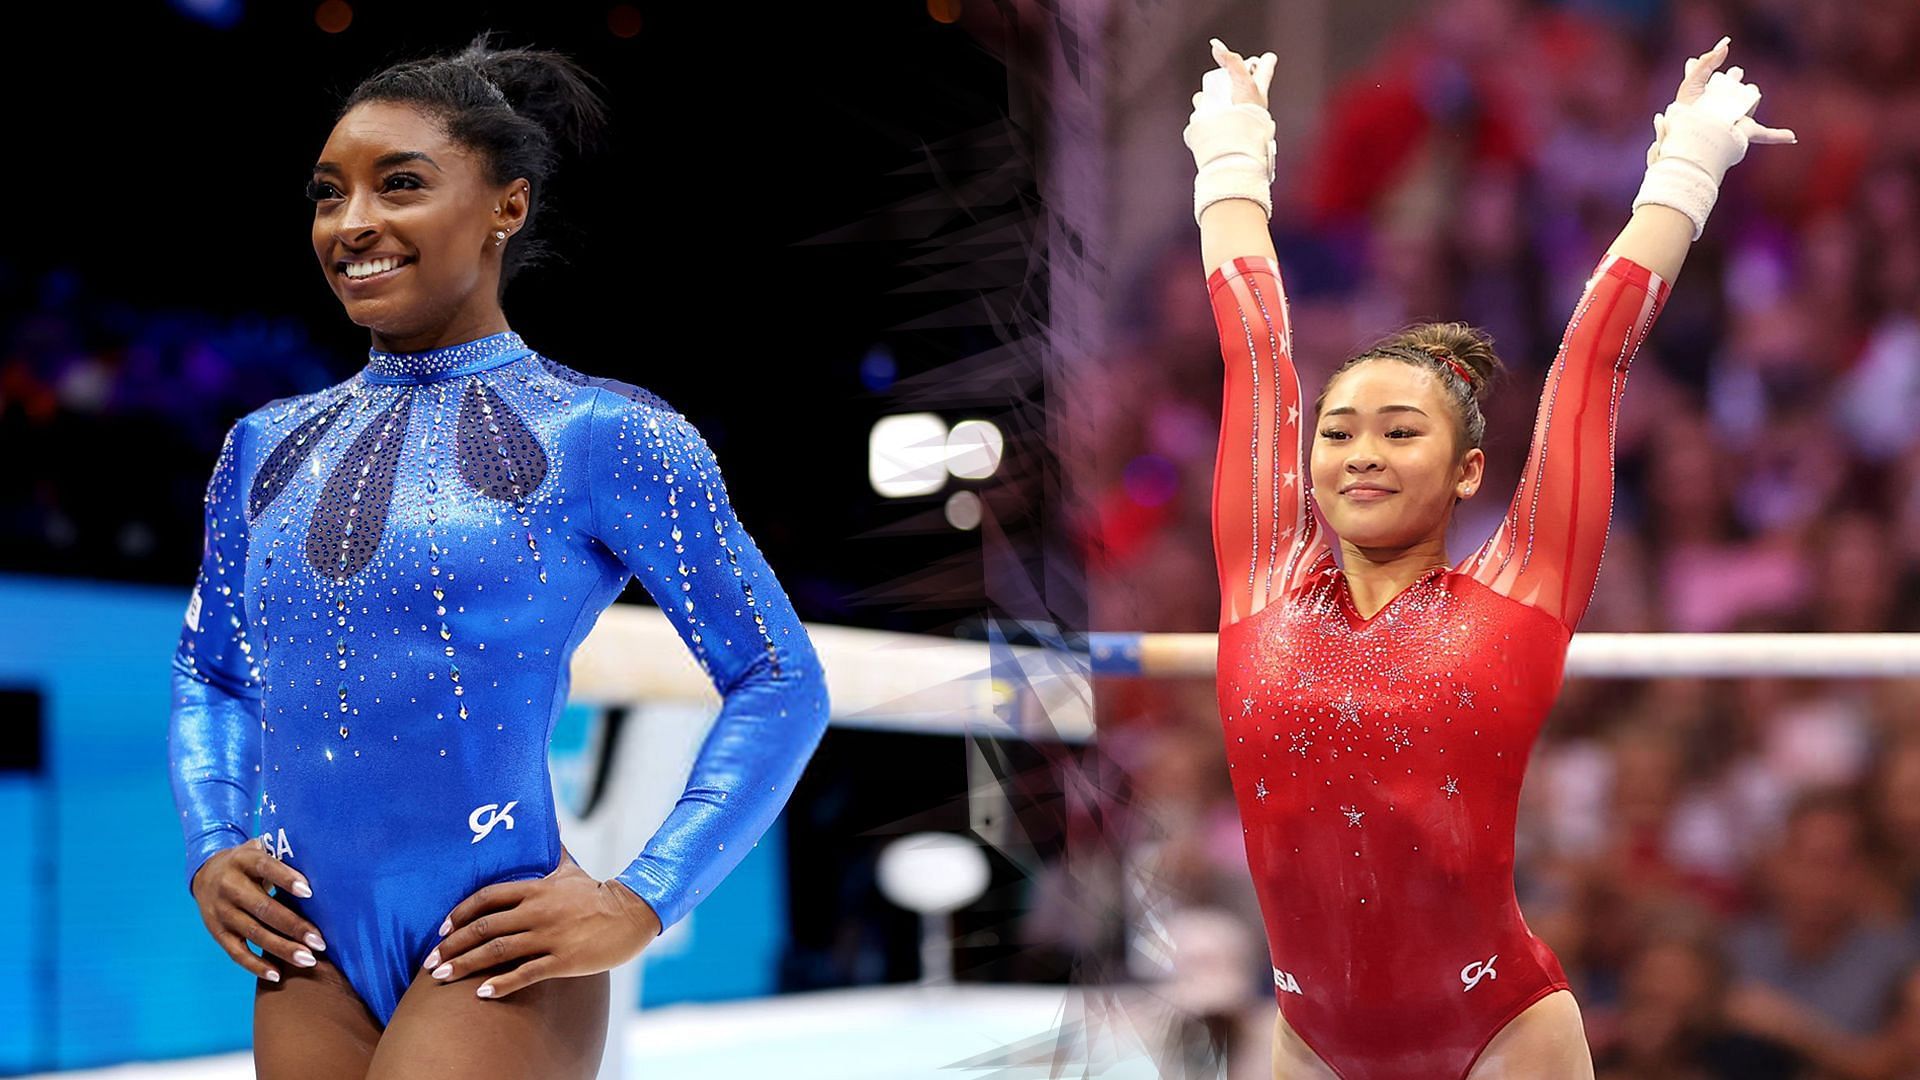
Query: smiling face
point(1386, 457)
point(394, 195)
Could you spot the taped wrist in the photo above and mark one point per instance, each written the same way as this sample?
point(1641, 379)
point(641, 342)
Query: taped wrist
point(1682, 185)
point(1234, 150)
point(1699, 144)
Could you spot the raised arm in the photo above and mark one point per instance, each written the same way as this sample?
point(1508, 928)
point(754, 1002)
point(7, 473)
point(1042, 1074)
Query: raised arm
point(213, 733)
point(657, 502)
point(1547, 551)
point(1264, 531)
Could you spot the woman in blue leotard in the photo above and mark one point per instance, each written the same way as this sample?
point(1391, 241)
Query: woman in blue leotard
point(396, 572)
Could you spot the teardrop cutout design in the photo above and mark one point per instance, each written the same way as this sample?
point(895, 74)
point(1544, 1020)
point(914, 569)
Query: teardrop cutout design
point(284, 463)
point(352, 510)
point(499, 457)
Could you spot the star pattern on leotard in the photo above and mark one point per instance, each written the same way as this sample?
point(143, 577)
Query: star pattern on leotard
point(1260, 791)
point(1246, 706)
point(1483, 628)
point(1349, 712)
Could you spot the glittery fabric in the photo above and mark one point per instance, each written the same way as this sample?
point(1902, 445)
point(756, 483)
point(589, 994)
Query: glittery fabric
point(396, 573)
point(1377, 761)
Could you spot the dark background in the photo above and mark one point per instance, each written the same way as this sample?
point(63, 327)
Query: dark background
point(740, 246)
point(161, 247)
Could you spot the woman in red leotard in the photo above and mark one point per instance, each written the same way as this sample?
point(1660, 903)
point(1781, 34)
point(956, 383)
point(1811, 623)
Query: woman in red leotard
point(1379, 711)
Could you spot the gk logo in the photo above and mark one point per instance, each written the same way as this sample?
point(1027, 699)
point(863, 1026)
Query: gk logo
point(279, 850)
point(193, 610)
point(498, 814)
point(1479, 969)
point(1284, 980)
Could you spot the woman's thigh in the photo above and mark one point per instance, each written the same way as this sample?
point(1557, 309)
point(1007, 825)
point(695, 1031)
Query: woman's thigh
point(555, 1028)
point(1548, 1039)
point(311, 1026)
point(1293, 1059)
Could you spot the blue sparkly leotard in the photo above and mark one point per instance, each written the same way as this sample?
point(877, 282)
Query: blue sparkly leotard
point(395, 574)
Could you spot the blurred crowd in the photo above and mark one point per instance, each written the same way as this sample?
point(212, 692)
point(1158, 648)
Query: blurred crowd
point(1728, 869)
point(115, 411)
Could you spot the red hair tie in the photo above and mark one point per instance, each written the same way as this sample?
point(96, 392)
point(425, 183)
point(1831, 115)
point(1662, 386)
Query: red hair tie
point(1456, 365)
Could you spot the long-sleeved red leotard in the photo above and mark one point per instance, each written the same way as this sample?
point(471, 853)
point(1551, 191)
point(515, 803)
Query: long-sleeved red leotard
point(1377, 761)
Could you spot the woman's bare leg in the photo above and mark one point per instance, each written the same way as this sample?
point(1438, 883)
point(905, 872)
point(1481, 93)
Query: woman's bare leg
point(1548, 1039)
point(311, 1026)
point(555, 1028)
point(1292, 1058)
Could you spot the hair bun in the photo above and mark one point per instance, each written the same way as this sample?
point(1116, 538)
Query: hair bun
point(1469, 347)
point(543, 84)
point(1450, 350)
point(518, 108)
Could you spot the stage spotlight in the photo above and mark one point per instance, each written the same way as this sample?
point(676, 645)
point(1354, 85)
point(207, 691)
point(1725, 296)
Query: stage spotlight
point(623, 20)
point(221, 13)
point(877, 368)
point(907, 455)
point(974, 448)
point(333, 16)
point(963, 510)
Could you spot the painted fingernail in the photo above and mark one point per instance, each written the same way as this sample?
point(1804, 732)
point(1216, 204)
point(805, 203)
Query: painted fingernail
point(272, 975)
point(304, 958)
point(443, 970)
point(432, 959)
point(301, 888)
point(316, 941)
point(446, 927)
point(1724, 41)
point(486, 990)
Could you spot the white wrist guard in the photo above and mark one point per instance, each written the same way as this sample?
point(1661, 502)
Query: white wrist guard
point(1699, 141)
point(1681, 184)
point(1233, 147)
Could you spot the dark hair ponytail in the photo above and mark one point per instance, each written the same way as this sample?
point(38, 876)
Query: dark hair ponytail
point(520, 108)
point(1429, 345)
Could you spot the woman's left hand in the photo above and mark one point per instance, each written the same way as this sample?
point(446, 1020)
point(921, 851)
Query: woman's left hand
point(562, 925)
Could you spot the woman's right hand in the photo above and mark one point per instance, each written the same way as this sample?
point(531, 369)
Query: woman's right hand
point(1231, 135)
point(1250, 77)
point(231, 889)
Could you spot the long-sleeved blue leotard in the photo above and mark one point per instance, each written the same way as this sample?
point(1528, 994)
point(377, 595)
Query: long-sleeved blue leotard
point(395, 574)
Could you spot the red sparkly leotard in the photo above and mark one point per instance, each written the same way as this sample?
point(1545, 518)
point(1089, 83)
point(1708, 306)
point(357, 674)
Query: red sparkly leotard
point(1377, 761)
